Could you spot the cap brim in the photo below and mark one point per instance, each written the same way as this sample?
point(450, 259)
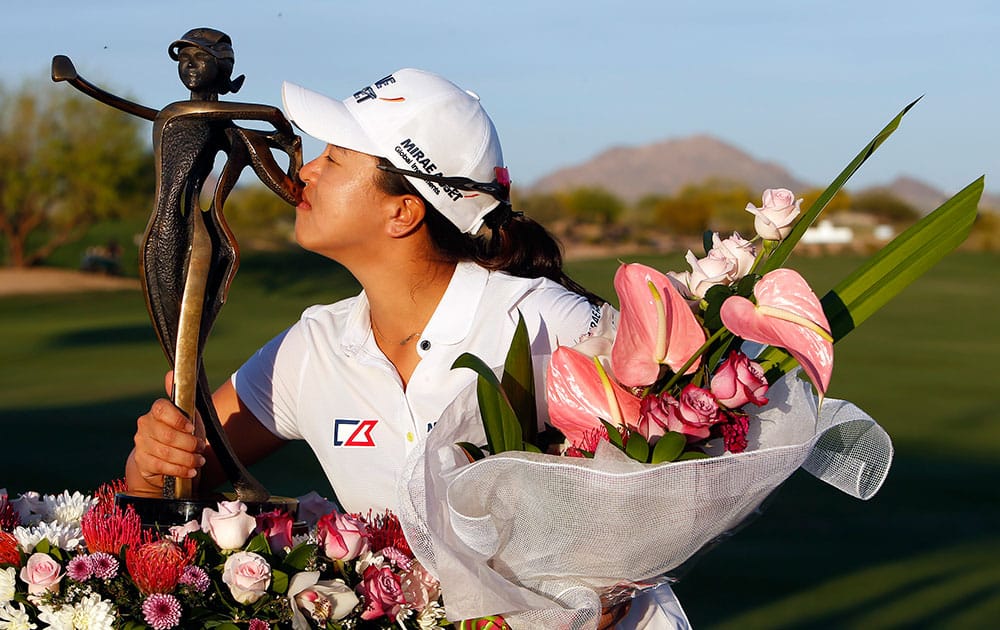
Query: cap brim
point(325, 119)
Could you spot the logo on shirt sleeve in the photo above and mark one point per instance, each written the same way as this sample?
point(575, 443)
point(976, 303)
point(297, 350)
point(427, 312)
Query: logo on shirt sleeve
point(353, 432)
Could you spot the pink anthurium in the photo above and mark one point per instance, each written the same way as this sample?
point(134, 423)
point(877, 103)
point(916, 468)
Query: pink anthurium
point(656, 328)
point(789, 315)
point(580, 394)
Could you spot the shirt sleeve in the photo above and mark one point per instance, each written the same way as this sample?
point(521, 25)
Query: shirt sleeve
point(268, 383)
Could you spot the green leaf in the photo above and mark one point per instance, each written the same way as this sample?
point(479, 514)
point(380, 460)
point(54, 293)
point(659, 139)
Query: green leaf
point(519, 381)
point(43, 546)
point(503, 432)
point(279, 582)
point(781, 253)
point(472, 451)
point(692, 455)
point(258, 544)
point(637, 448)
point(858, 296)
point(299, 557)
point(669, 447)
point(614, 435)
point(529, 447)
point(714, 298)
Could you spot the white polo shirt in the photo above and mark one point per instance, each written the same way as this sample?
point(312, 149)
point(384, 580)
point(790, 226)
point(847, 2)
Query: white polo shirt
point(324, 380)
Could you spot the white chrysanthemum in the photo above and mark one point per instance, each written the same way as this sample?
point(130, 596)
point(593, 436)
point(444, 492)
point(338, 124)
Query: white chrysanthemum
point(429, 617)
point(368, 559)
point(68, 508)
point(57, 618)
point(66, 537)
point(8, 581)
point(94, 613)
point(12, 618)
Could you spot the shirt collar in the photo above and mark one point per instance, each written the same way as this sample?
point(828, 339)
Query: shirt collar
point(451, 321)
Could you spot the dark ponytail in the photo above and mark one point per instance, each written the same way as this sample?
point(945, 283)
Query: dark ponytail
point(512, 242)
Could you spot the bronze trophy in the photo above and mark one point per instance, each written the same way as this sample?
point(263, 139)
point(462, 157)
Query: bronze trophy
point(188, 255)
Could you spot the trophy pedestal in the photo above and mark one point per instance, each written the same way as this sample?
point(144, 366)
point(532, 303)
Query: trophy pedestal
point(162, 513)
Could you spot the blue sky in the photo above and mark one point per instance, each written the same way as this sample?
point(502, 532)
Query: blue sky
point(804, 84)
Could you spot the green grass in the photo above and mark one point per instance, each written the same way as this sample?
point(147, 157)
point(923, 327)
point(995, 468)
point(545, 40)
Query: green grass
point(77, 370)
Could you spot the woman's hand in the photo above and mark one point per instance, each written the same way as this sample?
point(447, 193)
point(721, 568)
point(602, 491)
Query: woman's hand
point(166, 444)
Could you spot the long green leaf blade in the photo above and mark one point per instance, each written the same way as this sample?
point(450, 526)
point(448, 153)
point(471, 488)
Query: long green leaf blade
point(858, 296)
point(503, 432)
point(519, 381)
point(781, 253)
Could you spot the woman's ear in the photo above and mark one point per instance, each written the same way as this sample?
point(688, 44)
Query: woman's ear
point(407, 215)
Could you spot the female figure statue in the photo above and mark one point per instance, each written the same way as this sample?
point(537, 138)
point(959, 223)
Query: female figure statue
point(189, 255)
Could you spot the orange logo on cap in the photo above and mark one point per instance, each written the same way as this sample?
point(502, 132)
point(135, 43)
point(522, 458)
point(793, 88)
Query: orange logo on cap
point(398, 99)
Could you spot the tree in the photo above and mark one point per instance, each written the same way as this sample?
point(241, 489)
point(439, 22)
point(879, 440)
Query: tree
point(884, 205)
point(593, 205)
point(66, 162)
point(253, 211)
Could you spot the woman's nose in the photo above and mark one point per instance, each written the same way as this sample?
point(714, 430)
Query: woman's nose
point(308, 170)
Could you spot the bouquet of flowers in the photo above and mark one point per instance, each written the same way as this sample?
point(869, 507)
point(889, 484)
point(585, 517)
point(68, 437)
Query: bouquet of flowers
point(679, 422)
point(76, 561)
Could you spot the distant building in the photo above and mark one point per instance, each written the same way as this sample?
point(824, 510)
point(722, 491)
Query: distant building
point(826, 233)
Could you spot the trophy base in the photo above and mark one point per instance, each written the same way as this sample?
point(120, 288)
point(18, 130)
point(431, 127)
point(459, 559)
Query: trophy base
point(162, 513)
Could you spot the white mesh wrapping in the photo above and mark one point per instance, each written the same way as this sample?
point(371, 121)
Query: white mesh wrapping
point(540, 538)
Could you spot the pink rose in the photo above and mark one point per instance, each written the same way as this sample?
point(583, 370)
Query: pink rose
point(693, 413)
point(737, 249)
point(739, 381)
point(277, 526)
point(382, 592)
point(705, 273)
point(41, 573)
point(773, 220)
point(230, 526)
point(419, 587)
point(729, 260)
point(653, 417)
point(343, 537)
point(247, 575)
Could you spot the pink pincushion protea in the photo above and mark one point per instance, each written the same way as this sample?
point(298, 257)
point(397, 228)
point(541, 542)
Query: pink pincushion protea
point(110, 530)
point(156, 566)
point(384, 531)
point(162, 611)
point(8, 550)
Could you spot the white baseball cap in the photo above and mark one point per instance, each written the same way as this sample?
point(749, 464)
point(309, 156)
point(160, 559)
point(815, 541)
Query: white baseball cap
point(421, 123)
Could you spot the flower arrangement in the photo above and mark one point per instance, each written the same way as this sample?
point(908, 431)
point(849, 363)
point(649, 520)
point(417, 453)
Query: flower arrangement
point(678, 423)
point(79, 561)
point(674, 383)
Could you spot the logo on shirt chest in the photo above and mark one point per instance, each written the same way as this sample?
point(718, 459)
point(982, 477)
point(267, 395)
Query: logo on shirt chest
point(353, 432)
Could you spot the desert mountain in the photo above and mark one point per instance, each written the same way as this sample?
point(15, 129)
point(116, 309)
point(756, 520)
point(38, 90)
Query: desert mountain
point(666, 167)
